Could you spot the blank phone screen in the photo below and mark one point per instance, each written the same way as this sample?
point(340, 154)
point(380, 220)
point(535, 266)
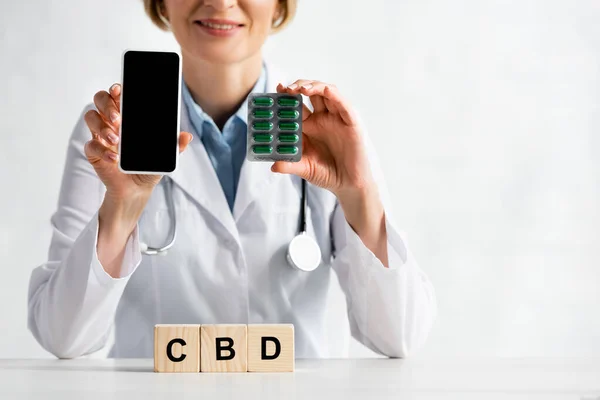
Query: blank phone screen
point(149, 111)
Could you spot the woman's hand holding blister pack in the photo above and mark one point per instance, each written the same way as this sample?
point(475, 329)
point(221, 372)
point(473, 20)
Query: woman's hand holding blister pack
point(334, 157)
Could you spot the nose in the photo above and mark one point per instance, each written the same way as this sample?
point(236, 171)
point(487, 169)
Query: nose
point(220, 5)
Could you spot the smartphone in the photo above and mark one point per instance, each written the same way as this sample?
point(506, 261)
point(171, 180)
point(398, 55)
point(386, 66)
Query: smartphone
point(150, 111)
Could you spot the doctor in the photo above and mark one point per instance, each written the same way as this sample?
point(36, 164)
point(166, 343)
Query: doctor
point(234, 218)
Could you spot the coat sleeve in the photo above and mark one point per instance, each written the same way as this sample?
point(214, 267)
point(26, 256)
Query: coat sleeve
point(391, 310)
point(72, 301)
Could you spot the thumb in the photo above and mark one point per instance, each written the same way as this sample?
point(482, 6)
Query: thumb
point(300, 168)
point(184, 139)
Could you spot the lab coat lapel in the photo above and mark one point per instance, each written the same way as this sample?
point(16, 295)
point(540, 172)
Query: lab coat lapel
point(256, 176)
point(197, 177)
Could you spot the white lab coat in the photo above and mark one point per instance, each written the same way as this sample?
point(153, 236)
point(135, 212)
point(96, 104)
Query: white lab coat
point(223, 268)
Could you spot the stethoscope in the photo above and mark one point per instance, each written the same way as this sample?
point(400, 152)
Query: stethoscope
point(303, 252)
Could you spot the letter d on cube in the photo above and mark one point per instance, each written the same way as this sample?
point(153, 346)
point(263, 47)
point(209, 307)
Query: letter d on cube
point(271, 348)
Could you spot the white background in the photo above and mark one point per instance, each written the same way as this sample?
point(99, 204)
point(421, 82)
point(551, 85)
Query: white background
point(485, 114)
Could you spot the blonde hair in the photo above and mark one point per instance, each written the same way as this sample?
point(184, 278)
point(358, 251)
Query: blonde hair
point(154, 10)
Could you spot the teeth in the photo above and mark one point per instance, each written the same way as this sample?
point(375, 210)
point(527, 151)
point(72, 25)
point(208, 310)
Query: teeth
point(218, 26)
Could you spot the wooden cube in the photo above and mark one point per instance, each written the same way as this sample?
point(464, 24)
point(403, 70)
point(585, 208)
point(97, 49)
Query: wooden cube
point(177, 348)
point(271, 348)
point(223, 348)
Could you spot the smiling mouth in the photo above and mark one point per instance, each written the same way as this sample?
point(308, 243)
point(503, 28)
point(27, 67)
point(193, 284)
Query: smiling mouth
point(219, 26)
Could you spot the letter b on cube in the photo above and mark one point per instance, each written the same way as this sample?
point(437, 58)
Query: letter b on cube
point(223, 348)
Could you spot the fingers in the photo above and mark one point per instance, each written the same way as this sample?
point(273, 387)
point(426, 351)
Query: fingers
point(104, 123)
point(107, 107)
point(281, 88)
point(329, 96)
point(115, 93)
point(101, 129)
point(334, 100)
point(301, 168)
point(97, 152)
point(299, 85)
point(306, 112)
point(184, 140)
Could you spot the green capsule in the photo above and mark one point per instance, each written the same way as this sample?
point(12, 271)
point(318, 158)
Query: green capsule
point(288, 150)
point(262, 126)
point(288, 138)
point(288, 102)
point(288, 126)
point(288, 114)
point(263, 101)
point(262, 149)
point(263, 137)
point(262, 113)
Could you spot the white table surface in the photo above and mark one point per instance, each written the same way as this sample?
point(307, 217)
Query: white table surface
point(414, 378)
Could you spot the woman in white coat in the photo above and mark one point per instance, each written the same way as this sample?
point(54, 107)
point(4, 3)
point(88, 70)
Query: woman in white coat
point(234, 218)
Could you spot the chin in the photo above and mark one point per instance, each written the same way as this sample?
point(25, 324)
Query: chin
point(220, 55)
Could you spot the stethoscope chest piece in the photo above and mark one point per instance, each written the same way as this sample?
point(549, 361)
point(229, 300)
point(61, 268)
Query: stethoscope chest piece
point(304, 253)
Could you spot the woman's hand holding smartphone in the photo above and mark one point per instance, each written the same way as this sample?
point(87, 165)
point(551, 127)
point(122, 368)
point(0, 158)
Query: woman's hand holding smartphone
point(102, 149)
point(126, 192)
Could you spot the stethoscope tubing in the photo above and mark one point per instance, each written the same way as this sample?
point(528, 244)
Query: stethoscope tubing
point(151, 251)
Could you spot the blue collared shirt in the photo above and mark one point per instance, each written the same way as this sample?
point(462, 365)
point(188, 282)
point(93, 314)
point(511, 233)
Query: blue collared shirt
point(226, 150)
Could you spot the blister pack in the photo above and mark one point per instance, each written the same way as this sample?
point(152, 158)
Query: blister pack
point(274, 127)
